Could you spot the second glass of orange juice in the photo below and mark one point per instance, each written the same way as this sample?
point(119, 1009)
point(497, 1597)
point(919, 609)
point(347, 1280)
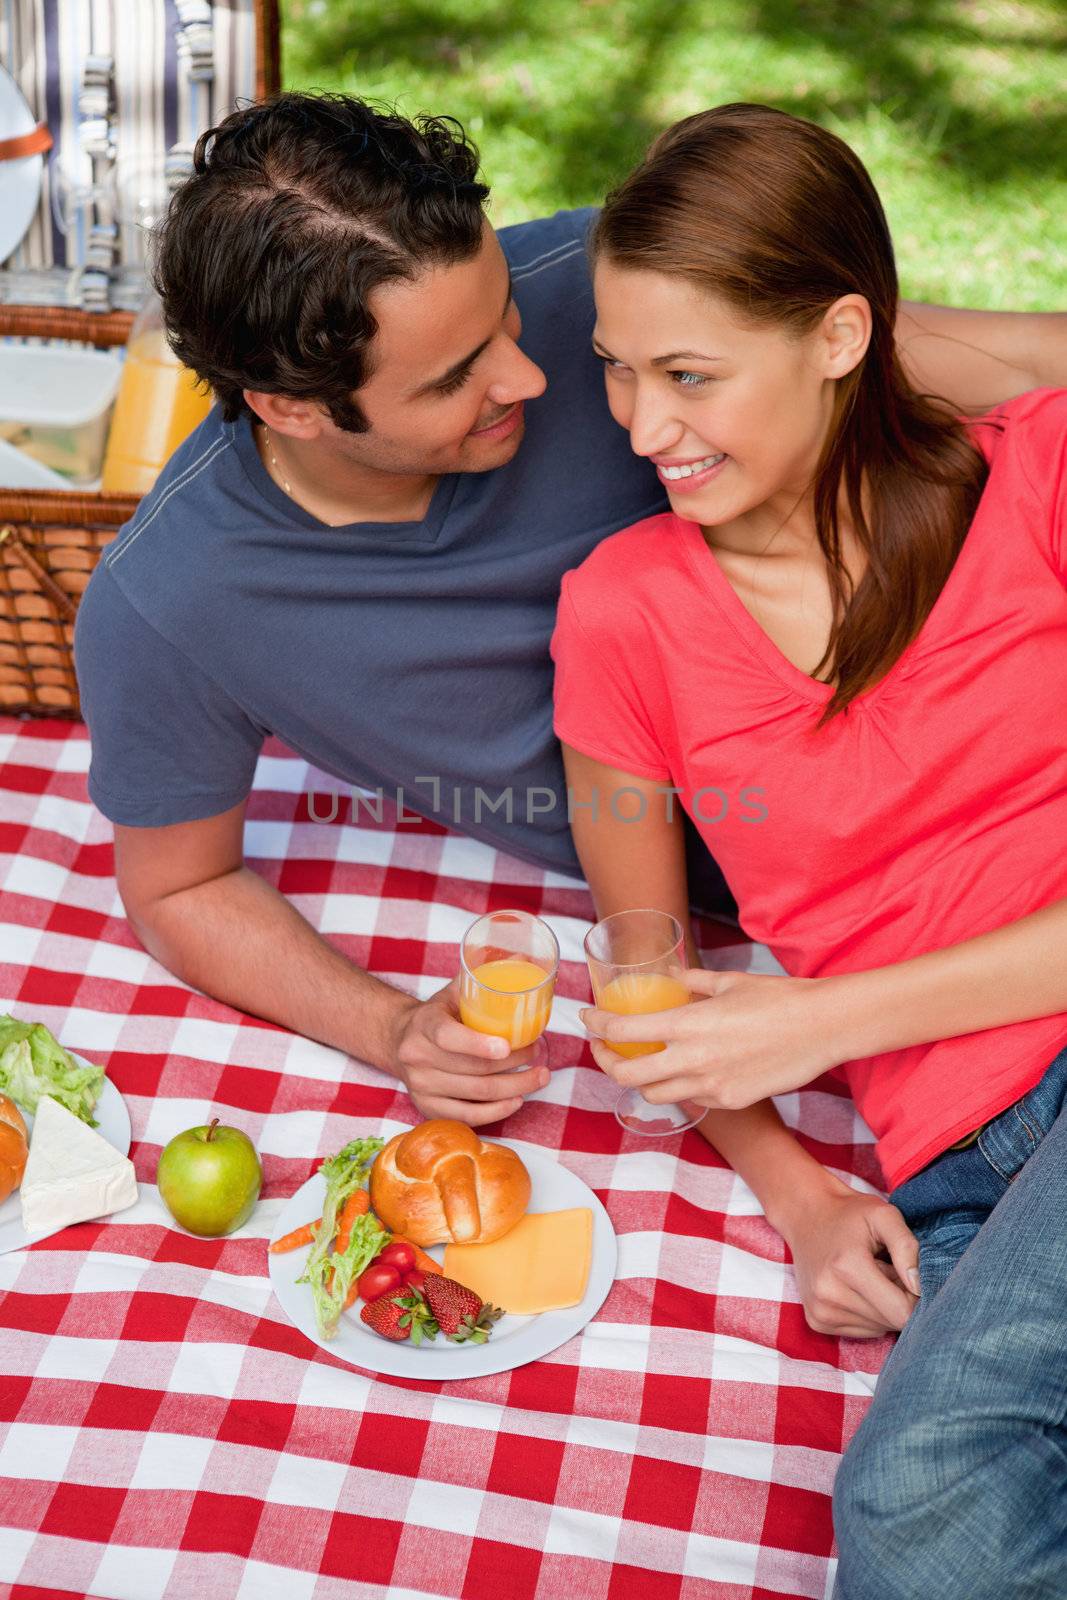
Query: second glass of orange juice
point(508, 966)
point(637, 964)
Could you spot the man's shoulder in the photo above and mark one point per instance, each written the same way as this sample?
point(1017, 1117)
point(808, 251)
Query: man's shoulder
point(546, 242)
point(179, 530)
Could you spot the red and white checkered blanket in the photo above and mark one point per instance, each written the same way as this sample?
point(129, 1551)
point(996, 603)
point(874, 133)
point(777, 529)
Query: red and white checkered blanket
point(166, 1434)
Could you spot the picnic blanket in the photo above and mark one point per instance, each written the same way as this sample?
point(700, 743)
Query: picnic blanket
point(167, 1434)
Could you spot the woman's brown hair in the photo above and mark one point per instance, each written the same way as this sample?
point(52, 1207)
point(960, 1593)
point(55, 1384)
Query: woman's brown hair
point(779, 218)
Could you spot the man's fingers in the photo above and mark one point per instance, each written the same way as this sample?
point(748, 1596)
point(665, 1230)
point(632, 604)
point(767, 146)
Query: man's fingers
point(889, 1226)
point(497, 1086)
point(455, 1039)
point(475, 1116)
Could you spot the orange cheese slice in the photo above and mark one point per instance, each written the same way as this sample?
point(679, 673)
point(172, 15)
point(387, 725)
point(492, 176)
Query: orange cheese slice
point(542, 1264)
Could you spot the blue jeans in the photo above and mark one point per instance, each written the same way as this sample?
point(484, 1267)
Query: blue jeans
point(955, 1485)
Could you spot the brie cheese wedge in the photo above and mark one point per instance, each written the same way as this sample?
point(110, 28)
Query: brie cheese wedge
point(72, 1174)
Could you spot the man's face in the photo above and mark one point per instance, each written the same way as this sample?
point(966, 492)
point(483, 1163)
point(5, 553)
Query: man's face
point(449, 380)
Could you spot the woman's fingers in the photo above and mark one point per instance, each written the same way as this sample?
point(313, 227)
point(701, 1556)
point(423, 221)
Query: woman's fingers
point(888, 1226)
point(891, 1304)
point(634, 1029)
point(706, 981)
point(635, 1072)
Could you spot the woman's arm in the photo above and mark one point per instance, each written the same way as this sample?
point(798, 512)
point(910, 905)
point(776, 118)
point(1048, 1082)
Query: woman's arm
point(1010, 974)
point(633, 855)
point(766, 1035)
point(976, 359)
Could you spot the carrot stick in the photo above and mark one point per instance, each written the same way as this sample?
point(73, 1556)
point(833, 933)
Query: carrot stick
point(298, 1237)
point(357, 1205)
point(353, 1295)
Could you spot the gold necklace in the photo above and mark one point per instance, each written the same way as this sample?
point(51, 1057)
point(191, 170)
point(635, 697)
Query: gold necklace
point(277, 470)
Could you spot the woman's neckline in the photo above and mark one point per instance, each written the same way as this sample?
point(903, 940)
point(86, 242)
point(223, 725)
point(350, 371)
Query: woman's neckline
point(760, 643)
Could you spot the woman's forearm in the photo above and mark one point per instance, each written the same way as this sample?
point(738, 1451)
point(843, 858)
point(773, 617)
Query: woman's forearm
point(1010, 974)
point(766, 1155)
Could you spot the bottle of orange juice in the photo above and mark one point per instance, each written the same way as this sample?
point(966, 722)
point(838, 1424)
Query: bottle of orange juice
point(159, 404)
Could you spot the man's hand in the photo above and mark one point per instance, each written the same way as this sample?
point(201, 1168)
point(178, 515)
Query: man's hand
point(845, 1288)
point(452, 1071)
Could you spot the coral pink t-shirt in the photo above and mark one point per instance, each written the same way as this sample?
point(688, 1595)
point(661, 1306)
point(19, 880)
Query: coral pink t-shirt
point(932, 810)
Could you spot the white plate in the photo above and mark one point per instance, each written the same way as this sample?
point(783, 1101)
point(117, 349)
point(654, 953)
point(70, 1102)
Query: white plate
point(113, 1124)
point(514, 1340)
point(20, 180)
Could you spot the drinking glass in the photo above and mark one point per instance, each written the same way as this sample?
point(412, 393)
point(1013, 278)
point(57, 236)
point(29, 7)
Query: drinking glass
point(637, 963)
point(509, 961)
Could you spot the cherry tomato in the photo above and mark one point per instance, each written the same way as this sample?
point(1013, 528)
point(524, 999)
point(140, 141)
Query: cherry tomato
point(377, 1280)
point(398, 1255)
point(415, 1279)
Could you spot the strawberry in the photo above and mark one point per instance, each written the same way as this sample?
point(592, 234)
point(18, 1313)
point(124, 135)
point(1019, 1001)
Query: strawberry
point(461, 1315)
point(399, 1317)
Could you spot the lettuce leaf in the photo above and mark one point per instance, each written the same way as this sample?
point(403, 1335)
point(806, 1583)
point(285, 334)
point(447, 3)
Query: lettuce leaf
point(33, 1063)
point(331, 1275)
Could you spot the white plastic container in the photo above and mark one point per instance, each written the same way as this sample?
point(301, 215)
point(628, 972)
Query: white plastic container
point(55, 404)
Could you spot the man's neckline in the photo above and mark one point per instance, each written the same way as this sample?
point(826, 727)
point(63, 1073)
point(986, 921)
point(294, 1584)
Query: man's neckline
point(424, 531)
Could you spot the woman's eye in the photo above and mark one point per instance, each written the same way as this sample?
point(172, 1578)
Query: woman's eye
point(690, 380)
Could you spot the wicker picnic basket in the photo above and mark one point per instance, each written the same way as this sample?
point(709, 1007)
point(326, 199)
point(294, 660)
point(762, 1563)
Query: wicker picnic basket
point(125, 84)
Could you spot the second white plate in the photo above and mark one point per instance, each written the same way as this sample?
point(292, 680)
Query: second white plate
point(514, 1340)
point(113, 1124)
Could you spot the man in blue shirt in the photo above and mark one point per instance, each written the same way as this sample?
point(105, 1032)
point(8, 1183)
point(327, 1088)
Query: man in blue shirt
point(360, 549)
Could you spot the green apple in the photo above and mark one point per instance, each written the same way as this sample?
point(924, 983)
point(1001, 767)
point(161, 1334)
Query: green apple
point(210, 1179)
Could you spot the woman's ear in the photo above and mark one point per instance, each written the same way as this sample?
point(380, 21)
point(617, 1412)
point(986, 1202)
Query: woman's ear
point(845, 333)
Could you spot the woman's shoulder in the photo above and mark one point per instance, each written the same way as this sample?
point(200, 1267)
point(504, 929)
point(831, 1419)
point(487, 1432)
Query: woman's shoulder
point(1032, 425)
point(622, 561)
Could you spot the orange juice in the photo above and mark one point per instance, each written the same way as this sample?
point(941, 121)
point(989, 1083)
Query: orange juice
point(159, 404)
point(495, 1001)
point(634, 993)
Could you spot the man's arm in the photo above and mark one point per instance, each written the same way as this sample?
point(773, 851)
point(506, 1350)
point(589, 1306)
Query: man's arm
point(205, 916)
point(976, 359)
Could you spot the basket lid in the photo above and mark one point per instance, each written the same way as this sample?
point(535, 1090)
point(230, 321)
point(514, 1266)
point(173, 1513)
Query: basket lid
point(126, 88)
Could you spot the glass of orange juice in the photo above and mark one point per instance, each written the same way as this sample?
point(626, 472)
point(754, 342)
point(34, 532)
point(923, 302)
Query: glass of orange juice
point(508, 966)
point(637, 963)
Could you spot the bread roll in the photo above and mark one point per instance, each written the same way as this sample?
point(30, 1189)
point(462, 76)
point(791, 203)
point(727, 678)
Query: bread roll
point(14, 1147)
point(440, 1183)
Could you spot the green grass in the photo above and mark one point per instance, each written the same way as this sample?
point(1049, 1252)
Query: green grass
point(956, 106)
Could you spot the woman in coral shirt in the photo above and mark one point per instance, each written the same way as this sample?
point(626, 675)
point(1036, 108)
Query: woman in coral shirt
point(844, 650)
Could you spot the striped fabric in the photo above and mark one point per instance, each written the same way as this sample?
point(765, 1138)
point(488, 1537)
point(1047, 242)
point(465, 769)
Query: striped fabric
point(158, 101)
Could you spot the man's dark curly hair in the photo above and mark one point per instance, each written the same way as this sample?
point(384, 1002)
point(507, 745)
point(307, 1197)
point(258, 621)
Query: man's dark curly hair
point(298, 208)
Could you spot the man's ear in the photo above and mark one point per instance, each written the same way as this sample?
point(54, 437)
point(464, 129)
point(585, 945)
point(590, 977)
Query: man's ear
point(845, 334)
point(297, 419)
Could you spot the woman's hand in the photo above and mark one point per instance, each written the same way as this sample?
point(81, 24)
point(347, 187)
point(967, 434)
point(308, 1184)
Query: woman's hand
point(836, 1240)
point(756, 1035)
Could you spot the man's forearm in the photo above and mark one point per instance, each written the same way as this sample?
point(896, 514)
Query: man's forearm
point(767, 1156)
point(975, 359)
point(239, 940)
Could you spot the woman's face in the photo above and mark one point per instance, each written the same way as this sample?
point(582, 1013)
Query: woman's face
point(732, 415)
